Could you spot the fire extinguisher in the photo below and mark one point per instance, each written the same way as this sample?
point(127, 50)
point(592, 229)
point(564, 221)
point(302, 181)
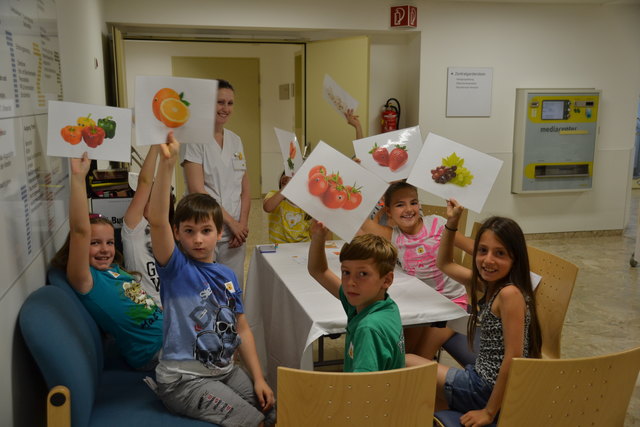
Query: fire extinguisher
point(390, 115)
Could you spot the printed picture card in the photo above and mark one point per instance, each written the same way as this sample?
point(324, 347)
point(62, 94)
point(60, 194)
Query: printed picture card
point(103, 132)
point(390, 155)
point(449, 169)
point(335, 190)
point(186, 106)
point(291, 152)
point(338, 97)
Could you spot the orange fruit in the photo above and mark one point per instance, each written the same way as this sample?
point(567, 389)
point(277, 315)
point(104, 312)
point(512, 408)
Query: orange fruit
point(173, 112)
point(160, 96)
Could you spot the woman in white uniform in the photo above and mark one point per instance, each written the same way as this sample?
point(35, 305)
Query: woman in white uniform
point(219, 168)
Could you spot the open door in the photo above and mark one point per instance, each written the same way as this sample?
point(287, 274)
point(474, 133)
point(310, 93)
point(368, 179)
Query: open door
point(347, 62)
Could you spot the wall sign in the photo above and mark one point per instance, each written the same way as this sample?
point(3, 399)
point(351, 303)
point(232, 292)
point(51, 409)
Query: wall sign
point(404, 17)
point(469, 92)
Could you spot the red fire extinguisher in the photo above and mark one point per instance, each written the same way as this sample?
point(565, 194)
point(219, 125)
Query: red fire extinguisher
point(390, 115)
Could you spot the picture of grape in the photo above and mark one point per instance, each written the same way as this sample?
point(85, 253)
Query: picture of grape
point(452, 170)
point(443, 174)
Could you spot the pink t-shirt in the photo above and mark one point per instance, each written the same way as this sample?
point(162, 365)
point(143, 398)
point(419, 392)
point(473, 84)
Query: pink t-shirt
point(418, 254)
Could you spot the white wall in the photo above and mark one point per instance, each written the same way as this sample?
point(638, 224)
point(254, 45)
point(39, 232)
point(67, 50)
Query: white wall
point(276, 68)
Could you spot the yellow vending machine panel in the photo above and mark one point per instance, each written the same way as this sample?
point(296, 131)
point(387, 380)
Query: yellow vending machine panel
point(554, 140)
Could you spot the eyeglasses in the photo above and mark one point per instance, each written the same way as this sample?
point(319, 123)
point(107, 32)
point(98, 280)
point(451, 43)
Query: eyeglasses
point(222, 327)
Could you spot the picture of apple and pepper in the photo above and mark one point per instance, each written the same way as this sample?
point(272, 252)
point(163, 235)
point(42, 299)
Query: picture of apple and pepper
point(87, 130)
point(332, 191)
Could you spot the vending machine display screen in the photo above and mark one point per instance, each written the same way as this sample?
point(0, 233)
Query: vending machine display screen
point(554, 110)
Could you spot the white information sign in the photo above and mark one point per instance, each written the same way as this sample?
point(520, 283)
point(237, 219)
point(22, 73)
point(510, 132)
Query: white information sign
point(469, 92)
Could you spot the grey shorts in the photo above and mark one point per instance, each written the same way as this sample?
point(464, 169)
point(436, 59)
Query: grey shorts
point(465, 390)
point(228, 400)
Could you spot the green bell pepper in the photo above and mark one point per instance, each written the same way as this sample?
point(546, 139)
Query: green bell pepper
point(109, 126)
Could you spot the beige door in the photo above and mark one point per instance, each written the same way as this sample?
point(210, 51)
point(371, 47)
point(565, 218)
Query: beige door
point(244, 76)
point(347, 62)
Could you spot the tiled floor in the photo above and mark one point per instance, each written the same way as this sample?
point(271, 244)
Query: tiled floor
point(604, 313)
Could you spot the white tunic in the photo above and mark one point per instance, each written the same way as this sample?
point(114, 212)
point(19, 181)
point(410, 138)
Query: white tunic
point(138, 257)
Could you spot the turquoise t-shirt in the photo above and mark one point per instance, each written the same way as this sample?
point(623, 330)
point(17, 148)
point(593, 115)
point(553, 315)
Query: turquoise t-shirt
point(374, 341)
point(121, 307)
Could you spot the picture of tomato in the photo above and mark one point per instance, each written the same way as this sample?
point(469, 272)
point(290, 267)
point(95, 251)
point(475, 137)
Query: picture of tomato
point(317, 169)
point(354, 198)
point(318, 184)
point(334, 197)
point(71, 134)
point(93, 136)
point(334, 179)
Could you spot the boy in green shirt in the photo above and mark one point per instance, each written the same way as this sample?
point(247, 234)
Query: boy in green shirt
point(374, 340)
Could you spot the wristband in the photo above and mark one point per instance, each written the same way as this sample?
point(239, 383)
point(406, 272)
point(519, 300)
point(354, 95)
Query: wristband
point(450, 229)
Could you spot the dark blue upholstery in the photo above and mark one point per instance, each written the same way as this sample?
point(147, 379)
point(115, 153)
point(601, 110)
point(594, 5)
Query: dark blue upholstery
point(451, 418)
point(458, 348)
point(67, 346)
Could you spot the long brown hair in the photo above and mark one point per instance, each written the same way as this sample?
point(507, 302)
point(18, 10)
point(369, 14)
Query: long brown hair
point(61, 258)
point(511, 236)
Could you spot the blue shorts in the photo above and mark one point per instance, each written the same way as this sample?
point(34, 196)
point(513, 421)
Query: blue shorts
point(465, 390)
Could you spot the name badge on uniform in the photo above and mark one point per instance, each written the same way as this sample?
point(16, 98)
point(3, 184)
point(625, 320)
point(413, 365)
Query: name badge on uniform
point(230, 288)
point(239, 161)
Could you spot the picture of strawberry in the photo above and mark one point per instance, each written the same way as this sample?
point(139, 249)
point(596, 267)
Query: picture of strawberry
point(398, 157)
point(380, 155)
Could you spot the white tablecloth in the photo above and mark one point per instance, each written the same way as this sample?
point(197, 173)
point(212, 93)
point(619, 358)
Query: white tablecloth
point(288, 310)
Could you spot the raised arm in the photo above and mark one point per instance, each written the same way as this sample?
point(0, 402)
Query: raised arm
point(270, 204)
point(317, 262)
point(161, 233)
point(445, 261)
point(354, 121)
point(135, 211)
point(78, 272)
point(194, 175)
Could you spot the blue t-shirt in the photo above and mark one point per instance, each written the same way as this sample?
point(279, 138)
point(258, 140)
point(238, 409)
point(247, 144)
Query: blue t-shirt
point(201, 301)
point(120, 306)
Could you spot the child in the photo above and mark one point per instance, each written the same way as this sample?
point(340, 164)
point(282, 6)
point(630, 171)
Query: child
point(507, 316)
point(287, 222)
point(112, 296)
point(205, 324)
point(374, 340)
point(136, 238)
point(417, 239)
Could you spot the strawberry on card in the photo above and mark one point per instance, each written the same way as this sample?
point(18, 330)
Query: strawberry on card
point(390, 155)
point(334, 189)
point(449, 169)
point(290, 151)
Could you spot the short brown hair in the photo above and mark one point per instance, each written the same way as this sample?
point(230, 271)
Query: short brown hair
point(366, 246)
point(198, 207)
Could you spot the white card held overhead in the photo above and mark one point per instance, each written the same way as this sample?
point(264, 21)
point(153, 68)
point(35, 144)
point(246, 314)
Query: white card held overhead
point(449, 169)
point(103, 132)
point(337, 97)
point(334, 189)
point(390, 155)
point(290, 151)
point(188, 106)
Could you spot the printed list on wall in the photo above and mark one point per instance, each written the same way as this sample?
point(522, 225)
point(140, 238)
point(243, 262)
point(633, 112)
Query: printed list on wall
point(33, 188)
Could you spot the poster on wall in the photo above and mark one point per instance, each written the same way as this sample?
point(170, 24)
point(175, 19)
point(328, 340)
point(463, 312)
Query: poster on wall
point(335, 190)
point(103, 132)
point(34, 188)
point(469, 92)
point(449, 169)
point(185, 105)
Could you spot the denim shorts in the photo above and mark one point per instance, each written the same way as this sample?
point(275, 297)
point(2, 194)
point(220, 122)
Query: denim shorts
point(466, 390)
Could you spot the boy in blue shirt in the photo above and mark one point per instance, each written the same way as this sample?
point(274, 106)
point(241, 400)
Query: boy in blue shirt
point(205, 323)
point(374, 340)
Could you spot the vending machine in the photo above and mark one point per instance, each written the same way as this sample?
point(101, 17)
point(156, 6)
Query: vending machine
point(554, 140)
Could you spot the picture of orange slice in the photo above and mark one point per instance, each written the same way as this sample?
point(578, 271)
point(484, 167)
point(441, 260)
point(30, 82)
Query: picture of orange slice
point(161, 95)
point(173, 113)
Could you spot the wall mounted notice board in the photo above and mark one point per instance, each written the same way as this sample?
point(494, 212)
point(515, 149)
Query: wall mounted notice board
point(34, 189)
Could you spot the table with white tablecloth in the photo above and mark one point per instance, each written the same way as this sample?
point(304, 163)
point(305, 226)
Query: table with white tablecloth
point(288, 310)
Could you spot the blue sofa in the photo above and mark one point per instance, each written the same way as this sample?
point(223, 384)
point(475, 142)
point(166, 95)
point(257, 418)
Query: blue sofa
point(69, 350)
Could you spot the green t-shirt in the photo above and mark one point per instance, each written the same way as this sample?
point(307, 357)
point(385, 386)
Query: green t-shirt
point(374, 340)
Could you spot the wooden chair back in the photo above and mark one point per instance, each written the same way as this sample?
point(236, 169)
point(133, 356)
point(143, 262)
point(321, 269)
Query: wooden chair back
point(403, 397)
point(552, 296)
point(591, 391)
point(462, 226)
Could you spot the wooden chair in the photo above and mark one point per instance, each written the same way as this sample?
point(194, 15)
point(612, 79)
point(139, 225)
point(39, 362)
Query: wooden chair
point(590, 391)
point(552, 296)
point(402, 397)
point(462, 226)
